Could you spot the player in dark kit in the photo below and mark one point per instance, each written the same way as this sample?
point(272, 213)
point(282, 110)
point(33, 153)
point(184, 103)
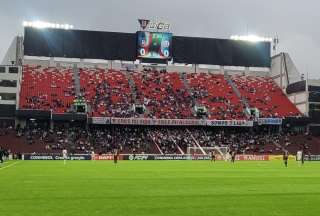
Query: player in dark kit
point(285, 157)
point(1, 155)
point(134, 153)
point(302, 157)
point(233, 156)
point(213, 157)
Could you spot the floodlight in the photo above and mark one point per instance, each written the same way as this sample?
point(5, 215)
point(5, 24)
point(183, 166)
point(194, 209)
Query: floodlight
point(251, 38)
point(41, 24)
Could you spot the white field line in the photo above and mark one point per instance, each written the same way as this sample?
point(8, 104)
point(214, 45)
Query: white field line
point(2, 168)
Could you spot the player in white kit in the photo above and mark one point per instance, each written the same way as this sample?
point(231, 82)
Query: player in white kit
point(65, 155)
point(93, 155)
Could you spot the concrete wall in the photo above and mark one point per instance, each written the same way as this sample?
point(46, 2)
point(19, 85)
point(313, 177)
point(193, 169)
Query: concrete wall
point(300, 99)
point(12, 77)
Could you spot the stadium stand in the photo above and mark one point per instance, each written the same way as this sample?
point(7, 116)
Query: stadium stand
point(37, 137)
point(213, 91)
point(163, 94)
point(47, 88)
point(108, 93)
point(264, 94)
point(144, 105)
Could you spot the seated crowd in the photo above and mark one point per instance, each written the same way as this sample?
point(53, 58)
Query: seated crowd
point(213, 92)
point(168, 95)
point(142, 140)
point(106, 92)
point(163, 94)
point(264, 94)
point(47, 88)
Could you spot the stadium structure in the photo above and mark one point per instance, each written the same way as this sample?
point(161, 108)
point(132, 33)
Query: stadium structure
point(153, 95)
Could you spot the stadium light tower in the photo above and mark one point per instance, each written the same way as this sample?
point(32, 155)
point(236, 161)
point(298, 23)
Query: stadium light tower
point(251, 38)
point(41, 24)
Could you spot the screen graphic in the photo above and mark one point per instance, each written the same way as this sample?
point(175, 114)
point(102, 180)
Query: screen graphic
point(155, 45)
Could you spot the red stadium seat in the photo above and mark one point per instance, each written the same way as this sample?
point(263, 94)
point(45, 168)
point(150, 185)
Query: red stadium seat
point(109, 94)
point(213, 91)
point(46, 88)
point(264, 94)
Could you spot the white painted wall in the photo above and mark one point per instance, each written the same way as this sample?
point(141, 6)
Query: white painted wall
point(15, 90)
point(300, 99)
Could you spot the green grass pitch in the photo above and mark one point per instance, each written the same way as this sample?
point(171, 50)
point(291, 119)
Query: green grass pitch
point(90, 188)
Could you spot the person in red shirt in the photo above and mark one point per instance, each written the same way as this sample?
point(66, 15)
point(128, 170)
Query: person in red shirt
point(115, 156)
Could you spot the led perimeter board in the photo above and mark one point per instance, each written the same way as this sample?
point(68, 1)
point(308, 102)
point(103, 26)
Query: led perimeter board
point(154, 45)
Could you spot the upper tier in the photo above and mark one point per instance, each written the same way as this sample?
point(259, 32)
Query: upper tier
point(169, 95)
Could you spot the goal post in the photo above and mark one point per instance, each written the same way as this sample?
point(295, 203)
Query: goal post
point(223, 151)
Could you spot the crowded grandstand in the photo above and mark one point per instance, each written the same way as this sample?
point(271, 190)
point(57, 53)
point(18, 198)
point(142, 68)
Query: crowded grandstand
point(156, 108)
point(151, 93)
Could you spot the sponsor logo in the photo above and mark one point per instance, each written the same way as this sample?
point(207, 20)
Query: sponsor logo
point(38, 157)
point(312, 158)
point(153, 25)
point(138, 157)
point(143, 23)
point(280, 157)
point(159, 26)
point(253, 157)
point(71, 158)
point(171, 157)
point(104, 157)
point(56, 157)
point(232, 123)
point(203, 157)
point(269, 121)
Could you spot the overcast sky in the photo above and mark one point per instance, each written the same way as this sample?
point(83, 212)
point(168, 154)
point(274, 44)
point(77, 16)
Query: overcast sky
point(296, 22)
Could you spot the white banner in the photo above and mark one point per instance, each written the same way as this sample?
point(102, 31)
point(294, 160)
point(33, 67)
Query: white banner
point(145, 121)
point(100, 120)
point(172, 122)
point(229, 123)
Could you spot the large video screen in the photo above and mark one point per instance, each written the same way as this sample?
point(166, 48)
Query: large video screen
point(154, 45)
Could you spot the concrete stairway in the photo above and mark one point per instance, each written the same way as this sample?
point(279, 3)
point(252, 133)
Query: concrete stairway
point(183, 77)
point(76, 78)
point(132, 86)
point(237, 92)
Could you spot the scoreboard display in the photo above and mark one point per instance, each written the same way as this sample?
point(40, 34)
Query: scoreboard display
point(154, 45)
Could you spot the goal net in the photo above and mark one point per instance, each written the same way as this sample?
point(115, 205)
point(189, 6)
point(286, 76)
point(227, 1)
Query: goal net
point(219, 151)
